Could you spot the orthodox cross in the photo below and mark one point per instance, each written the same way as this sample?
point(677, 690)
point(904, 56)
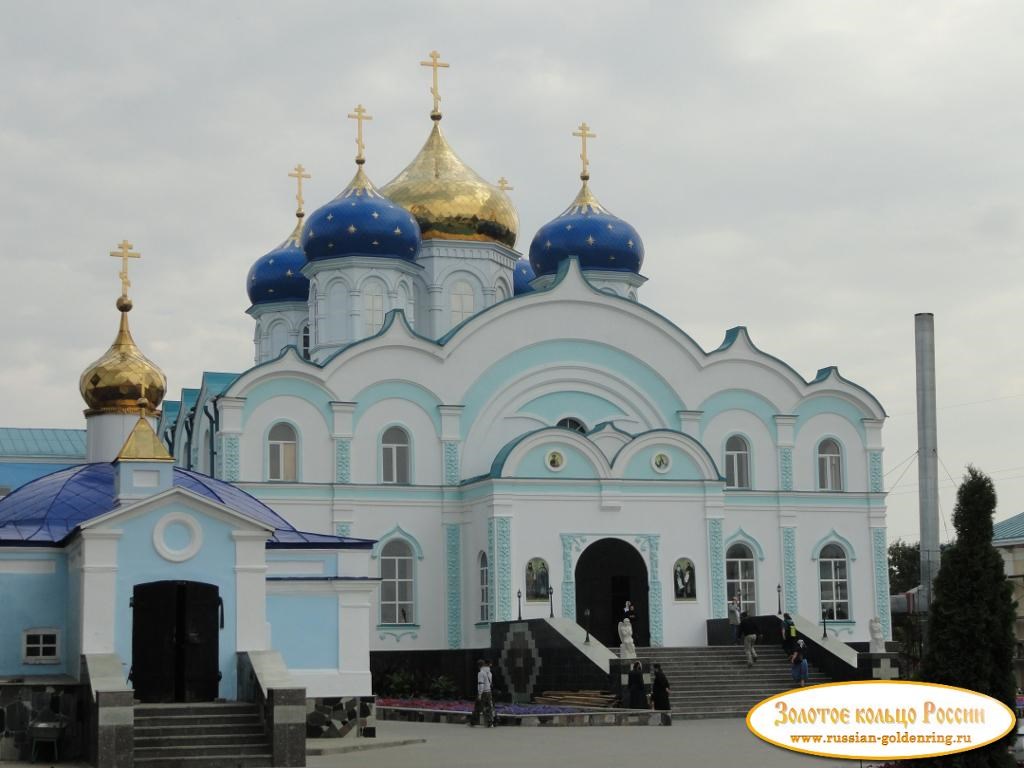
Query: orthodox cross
point(435, 63)
point(584, 133)
point(124, 253)
point(359, 115)
point(503, 184)
point(299, 173)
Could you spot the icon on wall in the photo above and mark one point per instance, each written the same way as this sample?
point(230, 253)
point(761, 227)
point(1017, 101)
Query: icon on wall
point(537, 580)
point(684, 579)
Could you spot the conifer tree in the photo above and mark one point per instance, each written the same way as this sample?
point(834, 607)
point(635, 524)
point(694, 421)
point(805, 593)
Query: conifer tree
point(971, 620)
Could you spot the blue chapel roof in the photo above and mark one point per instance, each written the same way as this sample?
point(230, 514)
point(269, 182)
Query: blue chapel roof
point(1010, 529)
point(20, 442)
point(46, 511)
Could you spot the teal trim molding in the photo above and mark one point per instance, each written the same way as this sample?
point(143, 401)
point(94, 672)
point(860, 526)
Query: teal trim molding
point(492, 563)
point(786, 469)
point(451, 462)
point(397, 390)
point(342, 529)
point(792, 601)
point(880, 557)
point(875, 471)
point(572, 543)
point(399, 533)
point(231, 469)
point(503, 568)
point(739, 400)
point(342, 460)
point(649, 543)
point(746, 538)
point(716, 558)
point(830, 537)
point(398, 634)
point(453, 582)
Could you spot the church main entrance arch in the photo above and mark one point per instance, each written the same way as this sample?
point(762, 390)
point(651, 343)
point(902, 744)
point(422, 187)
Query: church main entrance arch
point(175, 643)
point(608, 573)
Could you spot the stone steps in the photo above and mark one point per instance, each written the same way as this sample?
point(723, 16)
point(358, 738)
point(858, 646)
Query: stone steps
point(208, 735)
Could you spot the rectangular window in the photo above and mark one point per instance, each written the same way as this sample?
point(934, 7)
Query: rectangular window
point(41, 646)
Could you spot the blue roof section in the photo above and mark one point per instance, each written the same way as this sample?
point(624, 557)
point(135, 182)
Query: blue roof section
point(42, 442)
point(188, 399)
point(14, 474)
point(170, 410)
point(1009, 529)
point(45, 512)
point(217, 383)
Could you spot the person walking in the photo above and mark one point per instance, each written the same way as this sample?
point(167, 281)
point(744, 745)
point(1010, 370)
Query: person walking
point(734, 618)
point(788, 633)
point(484, 701)
point(637, 692)
point(659, 695)
point(799, 664)
point(748, 631)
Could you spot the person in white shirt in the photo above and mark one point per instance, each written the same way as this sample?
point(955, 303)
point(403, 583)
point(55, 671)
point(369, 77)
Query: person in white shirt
point(484, 701)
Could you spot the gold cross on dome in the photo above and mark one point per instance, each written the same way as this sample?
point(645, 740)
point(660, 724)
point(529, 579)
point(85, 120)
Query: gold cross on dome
point(359, 115)
point(503, 184)
point(124, 253)
point(435, 63)
point(584, 133)
point(299, 173)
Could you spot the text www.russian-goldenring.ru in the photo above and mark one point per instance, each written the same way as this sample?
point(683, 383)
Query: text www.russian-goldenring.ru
point(904, 737)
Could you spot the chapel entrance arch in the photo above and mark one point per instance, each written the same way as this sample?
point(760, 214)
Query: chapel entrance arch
point(175, 642)
point(608, 573)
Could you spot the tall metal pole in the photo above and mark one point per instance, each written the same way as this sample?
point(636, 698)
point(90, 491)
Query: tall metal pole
point(927, 454)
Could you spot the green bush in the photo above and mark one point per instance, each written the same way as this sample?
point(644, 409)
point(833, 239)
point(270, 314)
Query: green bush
point(442, 687)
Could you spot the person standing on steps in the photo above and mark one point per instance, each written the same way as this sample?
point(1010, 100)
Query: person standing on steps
point(637, 692)
point(788, 633)
point(799, 664)
point(734, 618)
point(659, 695)
point(748, 631)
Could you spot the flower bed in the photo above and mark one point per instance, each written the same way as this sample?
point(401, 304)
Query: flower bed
point(443, 705)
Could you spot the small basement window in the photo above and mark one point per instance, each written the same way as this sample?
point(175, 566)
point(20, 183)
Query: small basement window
point(41, 646)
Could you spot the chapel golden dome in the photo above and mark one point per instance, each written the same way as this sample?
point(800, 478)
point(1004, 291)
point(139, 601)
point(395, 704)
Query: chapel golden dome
point(449, 200)
point(123, 376)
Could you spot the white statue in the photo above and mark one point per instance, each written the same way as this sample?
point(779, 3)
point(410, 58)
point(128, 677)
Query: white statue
point(626, 648)
point(877, 638)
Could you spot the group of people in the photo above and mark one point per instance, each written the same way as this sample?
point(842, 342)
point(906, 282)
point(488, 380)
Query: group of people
point(659, 699)
point(744, 627)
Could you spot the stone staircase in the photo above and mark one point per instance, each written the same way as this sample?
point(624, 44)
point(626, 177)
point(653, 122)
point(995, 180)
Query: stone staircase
point(208, 735)
point(714, 681)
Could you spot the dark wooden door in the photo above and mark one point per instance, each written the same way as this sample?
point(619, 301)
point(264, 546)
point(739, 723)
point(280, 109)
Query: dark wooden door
point(154, 636)
point(175, 641)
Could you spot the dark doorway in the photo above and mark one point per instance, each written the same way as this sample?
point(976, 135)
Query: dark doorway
point(175, 627)
point(609, 573)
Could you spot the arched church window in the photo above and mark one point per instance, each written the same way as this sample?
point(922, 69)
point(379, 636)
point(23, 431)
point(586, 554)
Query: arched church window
point(394, 458)
point(737, 463)
point(373, 307)
point(396, 583)
point(830, 466)
point(500, 292)
point(305, 341)
point(833, 583)
point(485, 587)
point(462, 301)
point(739, 576)
point(281, 453)
point(574, 424)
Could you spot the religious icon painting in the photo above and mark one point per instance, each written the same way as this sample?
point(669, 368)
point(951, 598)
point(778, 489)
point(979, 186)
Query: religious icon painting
point(537, 580)
point(661, 462)
point(555, 460)
point(684, 579)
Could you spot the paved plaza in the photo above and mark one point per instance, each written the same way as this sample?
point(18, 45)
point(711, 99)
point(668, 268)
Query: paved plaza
point(703, 743)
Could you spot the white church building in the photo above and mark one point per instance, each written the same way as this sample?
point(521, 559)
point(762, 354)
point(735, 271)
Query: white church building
point(516, 435)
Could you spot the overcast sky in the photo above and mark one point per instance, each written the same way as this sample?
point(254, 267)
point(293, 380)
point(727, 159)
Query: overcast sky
point(816, 171)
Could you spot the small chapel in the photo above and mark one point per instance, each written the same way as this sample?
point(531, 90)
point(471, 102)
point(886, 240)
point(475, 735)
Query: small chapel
point(438, 432)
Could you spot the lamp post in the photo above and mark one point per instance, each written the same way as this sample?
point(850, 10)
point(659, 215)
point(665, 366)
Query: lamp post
point(778, 591)
point(551, 600)
point(519, 602)
point(824, 623)
point(586, 618)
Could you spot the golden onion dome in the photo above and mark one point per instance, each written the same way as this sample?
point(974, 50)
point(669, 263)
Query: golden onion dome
point(123, 376)
point(449, 200)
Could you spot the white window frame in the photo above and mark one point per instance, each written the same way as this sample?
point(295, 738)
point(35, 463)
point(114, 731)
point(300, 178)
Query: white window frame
point(735, 581)
point(280, 448)
point(827, 574)
point(736, 460)
point(49, 653)
point(830, 466)
point(400, 460)
point(485, 587)
point(571, 422)
point(463, 301)
point(390, 573)
point(304, 336)
point(373, 308)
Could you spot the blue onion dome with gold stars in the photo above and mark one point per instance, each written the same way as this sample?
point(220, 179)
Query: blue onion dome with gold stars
point(277, 276)
point(522, 275)
point(587, 230)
